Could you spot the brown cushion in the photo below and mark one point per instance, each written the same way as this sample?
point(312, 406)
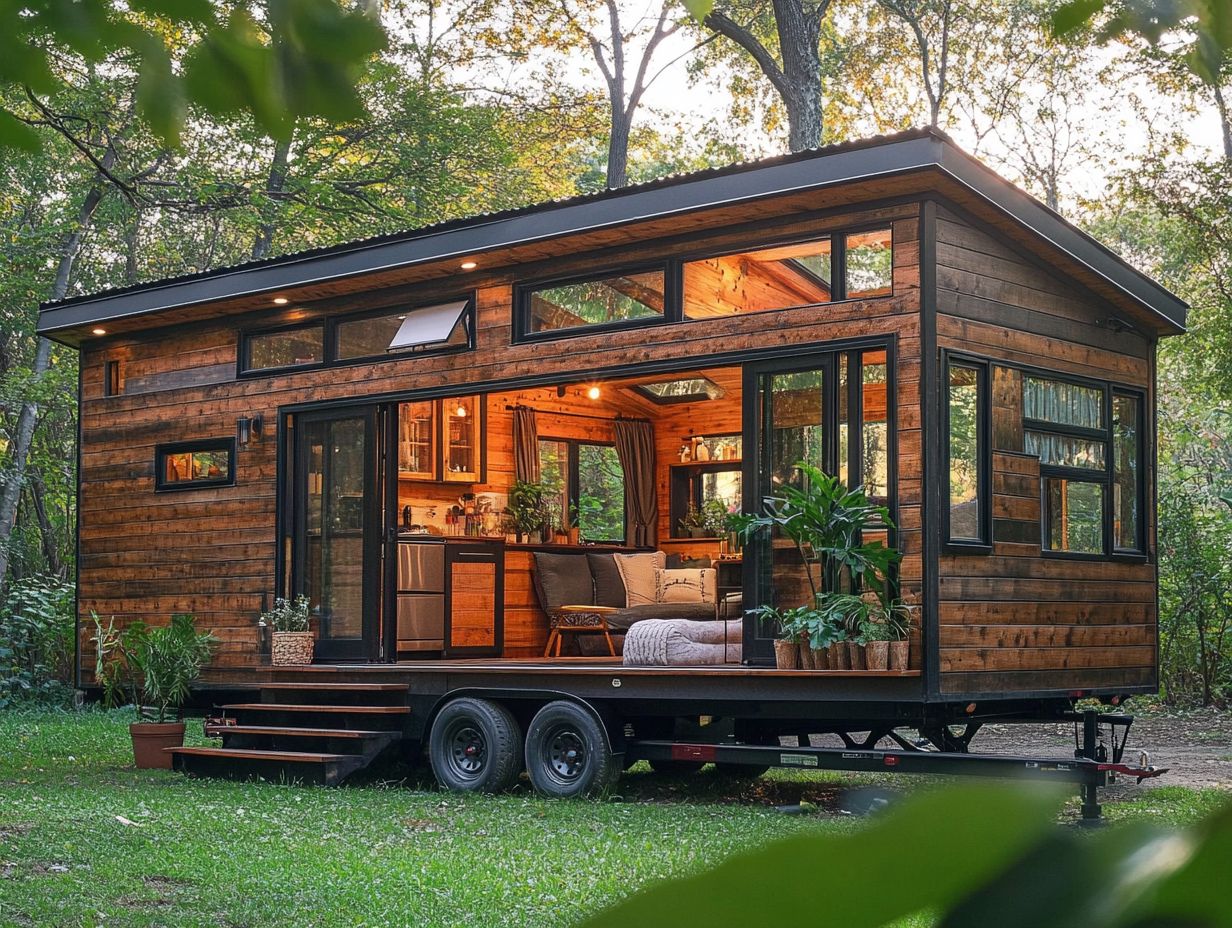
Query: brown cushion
point(609, 588)
point(696, 612)
point(563, 580)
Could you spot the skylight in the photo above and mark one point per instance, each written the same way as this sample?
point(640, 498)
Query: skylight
point(684, 390)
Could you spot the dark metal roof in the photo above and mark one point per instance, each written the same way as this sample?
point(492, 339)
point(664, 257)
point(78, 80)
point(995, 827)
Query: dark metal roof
point(904, 152)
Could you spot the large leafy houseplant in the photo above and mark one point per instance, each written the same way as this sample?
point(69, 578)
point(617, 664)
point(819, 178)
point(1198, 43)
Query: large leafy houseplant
point(528, 510)
point(155, 667)
point(826, 523)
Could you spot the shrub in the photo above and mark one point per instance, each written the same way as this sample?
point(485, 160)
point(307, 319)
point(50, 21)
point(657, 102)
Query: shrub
point(36, 642)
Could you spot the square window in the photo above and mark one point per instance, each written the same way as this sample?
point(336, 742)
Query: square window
point(1074, 516)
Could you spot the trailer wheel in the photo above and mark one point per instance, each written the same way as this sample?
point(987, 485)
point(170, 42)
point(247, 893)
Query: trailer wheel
point(567, 752)
point(475, 746)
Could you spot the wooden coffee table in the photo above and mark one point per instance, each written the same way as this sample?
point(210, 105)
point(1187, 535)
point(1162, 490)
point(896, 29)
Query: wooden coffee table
point(578, 619)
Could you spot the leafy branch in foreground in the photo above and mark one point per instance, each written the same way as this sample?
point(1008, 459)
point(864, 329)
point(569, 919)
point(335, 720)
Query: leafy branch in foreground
point(970, 856)
point(288, 59)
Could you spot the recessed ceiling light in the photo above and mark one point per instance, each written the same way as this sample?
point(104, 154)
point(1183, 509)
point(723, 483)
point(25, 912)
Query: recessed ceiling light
point(469, 265)
point(280, 301)
point(99, 331)
point(594, 393)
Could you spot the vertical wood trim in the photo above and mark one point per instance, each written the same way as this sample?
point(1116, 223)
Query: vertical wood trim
point(77, 623)
point(1149, 457)
point(930, 464)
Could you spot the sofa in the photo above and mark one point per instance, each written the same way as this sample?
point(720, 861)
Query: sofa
point(592, 578)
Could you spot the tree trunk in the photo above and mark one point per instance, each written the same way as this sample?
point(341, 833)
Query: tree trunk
point(618, 152)
point(27, 418)
point(274, 185)
point(1225, 121)
point(47, 532)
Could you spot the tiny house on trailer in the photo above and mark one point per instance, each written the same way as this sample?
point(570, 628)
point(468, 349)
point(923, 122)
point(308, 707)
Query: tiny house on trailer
point(353, 423)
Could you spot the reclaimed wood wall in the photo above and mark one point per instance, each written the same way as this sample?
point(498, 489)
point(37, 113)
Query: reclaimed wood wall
point(1016, 621)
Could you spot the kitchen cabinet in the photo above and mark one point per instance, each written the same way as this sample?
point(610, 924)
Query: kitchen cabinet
point(475, 599)
point(443, 440)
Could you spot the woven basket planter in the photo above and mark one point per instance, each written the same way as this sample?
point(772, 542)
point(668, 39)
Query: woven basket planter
point(877, 655)
point(786, 655)
point(291, 648)
point(900, 655)
point(806, 654)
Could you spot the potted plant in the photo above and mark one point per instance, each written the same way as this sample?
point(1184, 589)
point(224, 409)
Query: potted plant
point(694, 522)
point(826, 522)
point(876, 634)
point(528, 510)
point(897, 619)
point(715, 517)
point(291, 640)
point(158, 666)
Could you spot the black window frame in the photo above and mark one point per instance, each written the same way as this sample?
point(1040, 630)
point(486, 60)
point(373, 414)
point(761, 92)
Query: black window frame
point(673, 282)
point(573, 480)
point(1103, 477)
point(161, 451)
point(685, 488)
point(983, 368)
point(329, 322)
point(524, 290)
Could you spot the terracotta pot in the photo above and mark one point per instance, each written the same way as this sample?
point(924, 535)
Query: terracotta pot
point(900, 655)
point(291, 648)
point(786, 655)
point(149, 739)
point(806, 655)
point(855, 654)
point(877, 655)
point(821, 658)
point(838, 656)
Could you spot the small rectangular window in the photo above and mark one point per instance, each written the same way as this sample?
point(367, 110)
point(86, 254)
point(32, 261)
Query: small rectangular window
point(113, 380)
point(637, 296)
point(966, 440)
point(1059, 402)
point(195, 464)
point(781, 277)
point(1126, 472)
point(869, 262)
point(1074, 515)
point(284, 348)
point(426, 328)
point(1065, 450)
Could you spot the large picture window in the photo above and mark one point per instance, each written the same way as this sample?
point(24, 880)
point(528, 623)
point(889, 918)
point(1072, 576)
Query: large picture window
point(966, 430)
point(584, 480)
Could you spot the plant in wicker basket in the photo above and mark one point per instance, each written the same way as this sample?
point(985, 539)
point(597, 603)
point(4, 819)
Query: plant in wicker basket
point(291, 642)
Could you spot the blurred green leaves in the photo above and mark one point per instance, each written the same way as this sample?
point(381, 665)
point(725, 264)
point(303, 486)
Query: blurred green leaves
point(1207, 22)
point(278, 60)
point(973, 857)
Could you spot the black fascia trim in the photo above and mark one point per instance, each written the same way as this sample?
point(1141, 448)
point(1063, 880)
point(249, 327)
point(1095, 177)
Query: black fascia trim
point(1063, 235)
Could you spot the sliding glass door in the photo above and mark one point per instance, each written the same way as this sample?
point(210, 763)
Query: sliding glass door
point(830, 410)
point(336, 546)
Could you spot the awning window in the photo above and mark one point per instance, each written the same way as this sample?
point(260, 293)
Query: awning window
point(432, 327)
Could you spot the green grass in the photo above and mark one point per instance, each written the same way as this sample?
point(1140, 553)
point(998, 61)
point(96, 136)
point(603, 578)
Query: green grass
point(214, 853)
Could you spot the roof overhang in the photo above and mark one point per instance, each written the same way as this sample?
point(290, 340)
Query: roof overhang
point(907, 153)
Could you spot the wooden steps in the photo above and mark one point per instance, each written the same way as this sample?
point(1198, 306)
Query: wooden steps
point(324, 736)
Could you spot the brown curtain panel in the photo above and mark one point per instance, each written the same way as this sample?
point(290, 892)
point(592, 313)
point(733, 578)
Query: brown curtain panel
point(636, 449)
point(525, 445)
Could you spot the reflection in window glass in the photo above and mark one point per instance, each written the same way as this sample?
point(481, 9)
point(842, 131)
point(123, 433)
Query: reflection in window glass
point(875, 450)
point(1125, 457)
point(1074, 515)
point(1065, 450)
point(1062, 403)
point(724, 486)
point(554, 476)
point(797, 417)
point(288, 348)
point(964, 445)
point(781, 277)
point(597, 302)
point(870, 264)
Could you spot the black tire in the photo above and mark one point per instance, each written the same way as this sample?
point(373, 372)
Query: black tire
point(475, 746)
point(568, 753)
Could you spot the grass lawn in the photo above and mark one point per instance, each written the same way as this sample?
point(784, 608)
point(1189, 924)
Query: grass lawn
point(85, 840)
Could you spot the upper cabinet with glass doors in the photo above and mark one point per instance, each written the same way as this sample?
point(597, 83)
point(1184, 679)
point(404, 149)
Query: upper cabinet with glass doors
point(442, 440)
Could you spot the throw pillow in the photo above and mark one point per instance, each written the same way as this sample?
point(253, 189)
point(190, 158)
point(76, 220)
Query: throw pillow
point(563, 580)
point(609, 588)
point(637, 571)
point(687, 585)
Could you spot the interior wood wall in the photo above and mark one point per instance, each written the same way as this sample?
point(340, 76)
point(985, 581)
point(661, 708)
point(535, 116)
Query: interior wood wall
point(211, 551)
point(1014, 620)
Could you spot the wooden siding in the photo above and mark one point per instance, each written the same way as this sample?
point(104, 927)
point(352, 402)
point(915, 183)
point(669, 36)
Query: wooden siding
point(1017, 620)
point(211, 552)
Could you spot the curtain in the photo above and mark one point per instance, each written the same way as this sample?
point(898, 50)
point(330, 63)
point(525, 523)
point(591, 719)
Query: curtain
point(636, 449)
point(525, 445)
point(1063, 403)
